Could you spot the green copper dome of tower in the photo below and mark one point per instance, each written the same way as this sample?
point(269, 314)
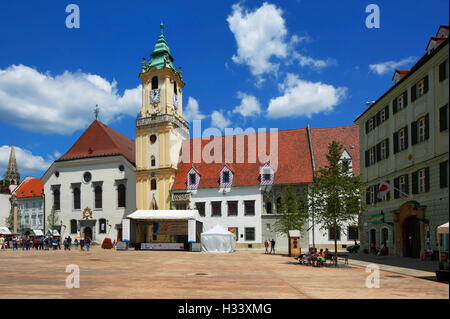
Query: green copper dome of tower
point(161, 57)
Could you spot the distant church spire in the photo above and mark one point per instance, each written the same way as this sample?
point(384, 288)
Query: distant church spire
point(12, 174)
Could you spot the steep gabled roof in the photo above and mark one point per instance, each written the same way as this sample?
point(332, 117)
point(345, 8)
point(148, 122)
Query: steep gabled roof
point(294, 162)
point(101, 140)
point(30, 188)
point(348, 136)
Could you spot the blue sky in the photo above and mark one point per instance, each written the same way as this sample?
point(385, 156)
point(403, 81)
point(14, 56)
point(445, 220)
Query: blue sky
point(274, 64)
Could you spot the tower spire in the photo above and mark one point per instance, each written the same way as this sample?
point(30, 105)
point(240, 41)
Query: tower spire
point(12, 174)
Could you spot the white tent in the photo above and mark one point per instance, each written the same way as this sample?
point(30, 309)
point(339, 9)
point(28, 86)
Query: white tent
point(4, 231)
point(218, 240)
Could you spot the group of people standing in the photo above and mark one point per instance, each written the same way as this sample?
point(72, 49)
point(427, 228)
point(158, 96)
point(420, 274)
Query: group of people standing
point(42, 243)
point(272, 246)
point(28, 242)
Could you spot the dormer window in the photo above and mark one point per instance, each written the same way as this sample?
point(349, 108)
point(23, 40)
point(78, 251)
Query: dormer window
point(193, 179)
point(267, 175)
point(226, 177)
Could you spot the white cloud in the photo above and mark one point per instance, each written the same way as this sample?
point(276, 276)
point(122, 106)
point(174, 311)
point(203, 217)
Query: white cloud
point(260, 35)
point(314, 63)
point(191, 112)
point(64, 103)
point(249, 105)
point(26, 161)
point(304, 98)
point(219, 120)
point(389, 66)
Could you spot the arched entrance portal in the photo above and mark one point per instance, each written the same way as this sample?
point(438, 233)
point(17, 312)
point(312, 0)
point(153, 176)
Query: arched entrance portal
point(409, 229)
point(88, 233)
point(411, 240)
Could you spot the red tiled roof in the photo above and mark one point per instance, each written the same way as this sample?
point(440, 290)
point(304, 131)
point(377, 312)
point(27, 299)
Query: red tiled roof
point(294, 162)
point(294, 158)
point(345, 135)
point(101, 140)
point(31, 188)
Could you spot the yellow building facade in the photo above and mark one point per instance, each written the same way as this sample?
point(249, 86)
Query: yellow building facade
point(160, 129)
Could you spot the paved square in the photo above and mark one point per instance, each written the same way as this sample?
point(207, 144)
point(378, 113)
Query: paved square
point(173, 274)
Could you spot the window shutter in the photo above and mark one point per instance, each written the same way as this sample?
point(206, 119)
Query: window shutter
point(374, 119)
point(414, 133)
point(375, 191)
point(427, 126)
point(367, 127)
point(442, 71)
point(387, 148)
point(395, 142)
point(367, 158)
point(396, 184)
point(394, 106)
point(405, 98)
point(427, 179)
point(386, 112)
point(443, 111)
point(413, 93)
point(378, 152)
point(388, 195)
point(407, 183)
point(425, 80)
point(406, 137)
point(378, 116)
point(415, 183)
point(443, 174)
point(368, 196)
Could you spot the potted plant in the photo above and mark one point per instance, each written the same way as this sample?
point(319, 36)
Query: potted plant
point(442, 273)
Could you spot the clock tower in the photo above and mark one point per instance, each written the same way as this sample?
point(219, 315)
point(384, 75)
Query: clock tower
point(160, 128)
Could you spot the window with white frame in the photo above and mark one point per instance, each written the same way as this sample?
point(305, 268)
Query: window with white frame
point(402, 185)
point(401, 140)
point(420, 88)
point(371, 124)
point(383, 149)
point(421, 129)
point(400, 102)
point(372, 156)
point(382, 115)
point(371, 195)
point(421, 181)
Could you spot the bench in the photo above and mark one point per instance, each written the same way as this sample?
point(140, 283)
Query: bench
point(340, 256)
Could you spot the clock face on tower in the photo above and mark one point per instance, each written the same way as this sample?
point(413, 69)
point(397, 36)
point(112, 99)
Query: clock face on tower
point(155, 96)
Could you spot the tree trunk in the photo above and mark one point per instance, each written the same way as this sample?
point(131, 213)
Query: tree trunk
point(335, 244)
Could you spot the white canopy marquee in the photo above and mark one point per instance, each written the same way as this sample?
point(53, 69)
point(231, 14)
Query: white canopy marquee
point(4, 231)
point(443, 229)
point(218, 240)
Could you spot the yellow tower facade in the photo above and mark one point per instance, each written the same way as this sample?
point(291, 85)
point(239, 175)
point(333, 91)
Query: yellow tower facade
point(160, 129)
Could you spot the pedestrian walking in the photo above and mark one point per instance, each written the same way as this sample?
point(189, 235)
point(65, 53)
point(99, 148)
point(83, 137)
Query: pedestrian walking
point(88, 243)
point(82, 244)
point(266, 244)
point(69, 242)
point(15, 243)
point(59, 243)
point(272, 246)
point(2, 242)
point(55, 243)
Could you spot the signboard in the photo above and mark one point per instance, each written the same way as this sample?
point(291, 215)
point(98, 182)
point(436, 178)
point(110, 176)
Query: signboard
point(121, 245)
point(191, 230)
point(162, 246)
point(376, 219)
point(126, 229)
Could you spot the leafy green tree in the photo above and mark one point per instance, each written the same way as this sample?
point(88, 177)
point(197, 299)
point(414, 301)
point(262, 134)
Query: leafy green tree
point(293, 211)
point(336, 194)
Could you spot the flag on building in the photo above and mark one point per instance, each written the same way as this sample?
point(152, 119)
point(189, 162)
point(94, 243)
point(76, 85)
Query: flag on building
point(383, 189)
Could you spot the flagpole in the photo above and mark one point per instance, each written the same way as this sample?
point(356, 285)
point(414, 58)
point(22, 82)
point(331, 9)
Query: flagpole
point(407, 195)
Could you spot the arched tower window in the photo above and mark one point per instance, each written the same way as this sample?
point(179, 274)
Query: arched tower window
point(153, 184)
point(121, 193)
point(154, 82)
point(175, 91)
point(153, 161)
